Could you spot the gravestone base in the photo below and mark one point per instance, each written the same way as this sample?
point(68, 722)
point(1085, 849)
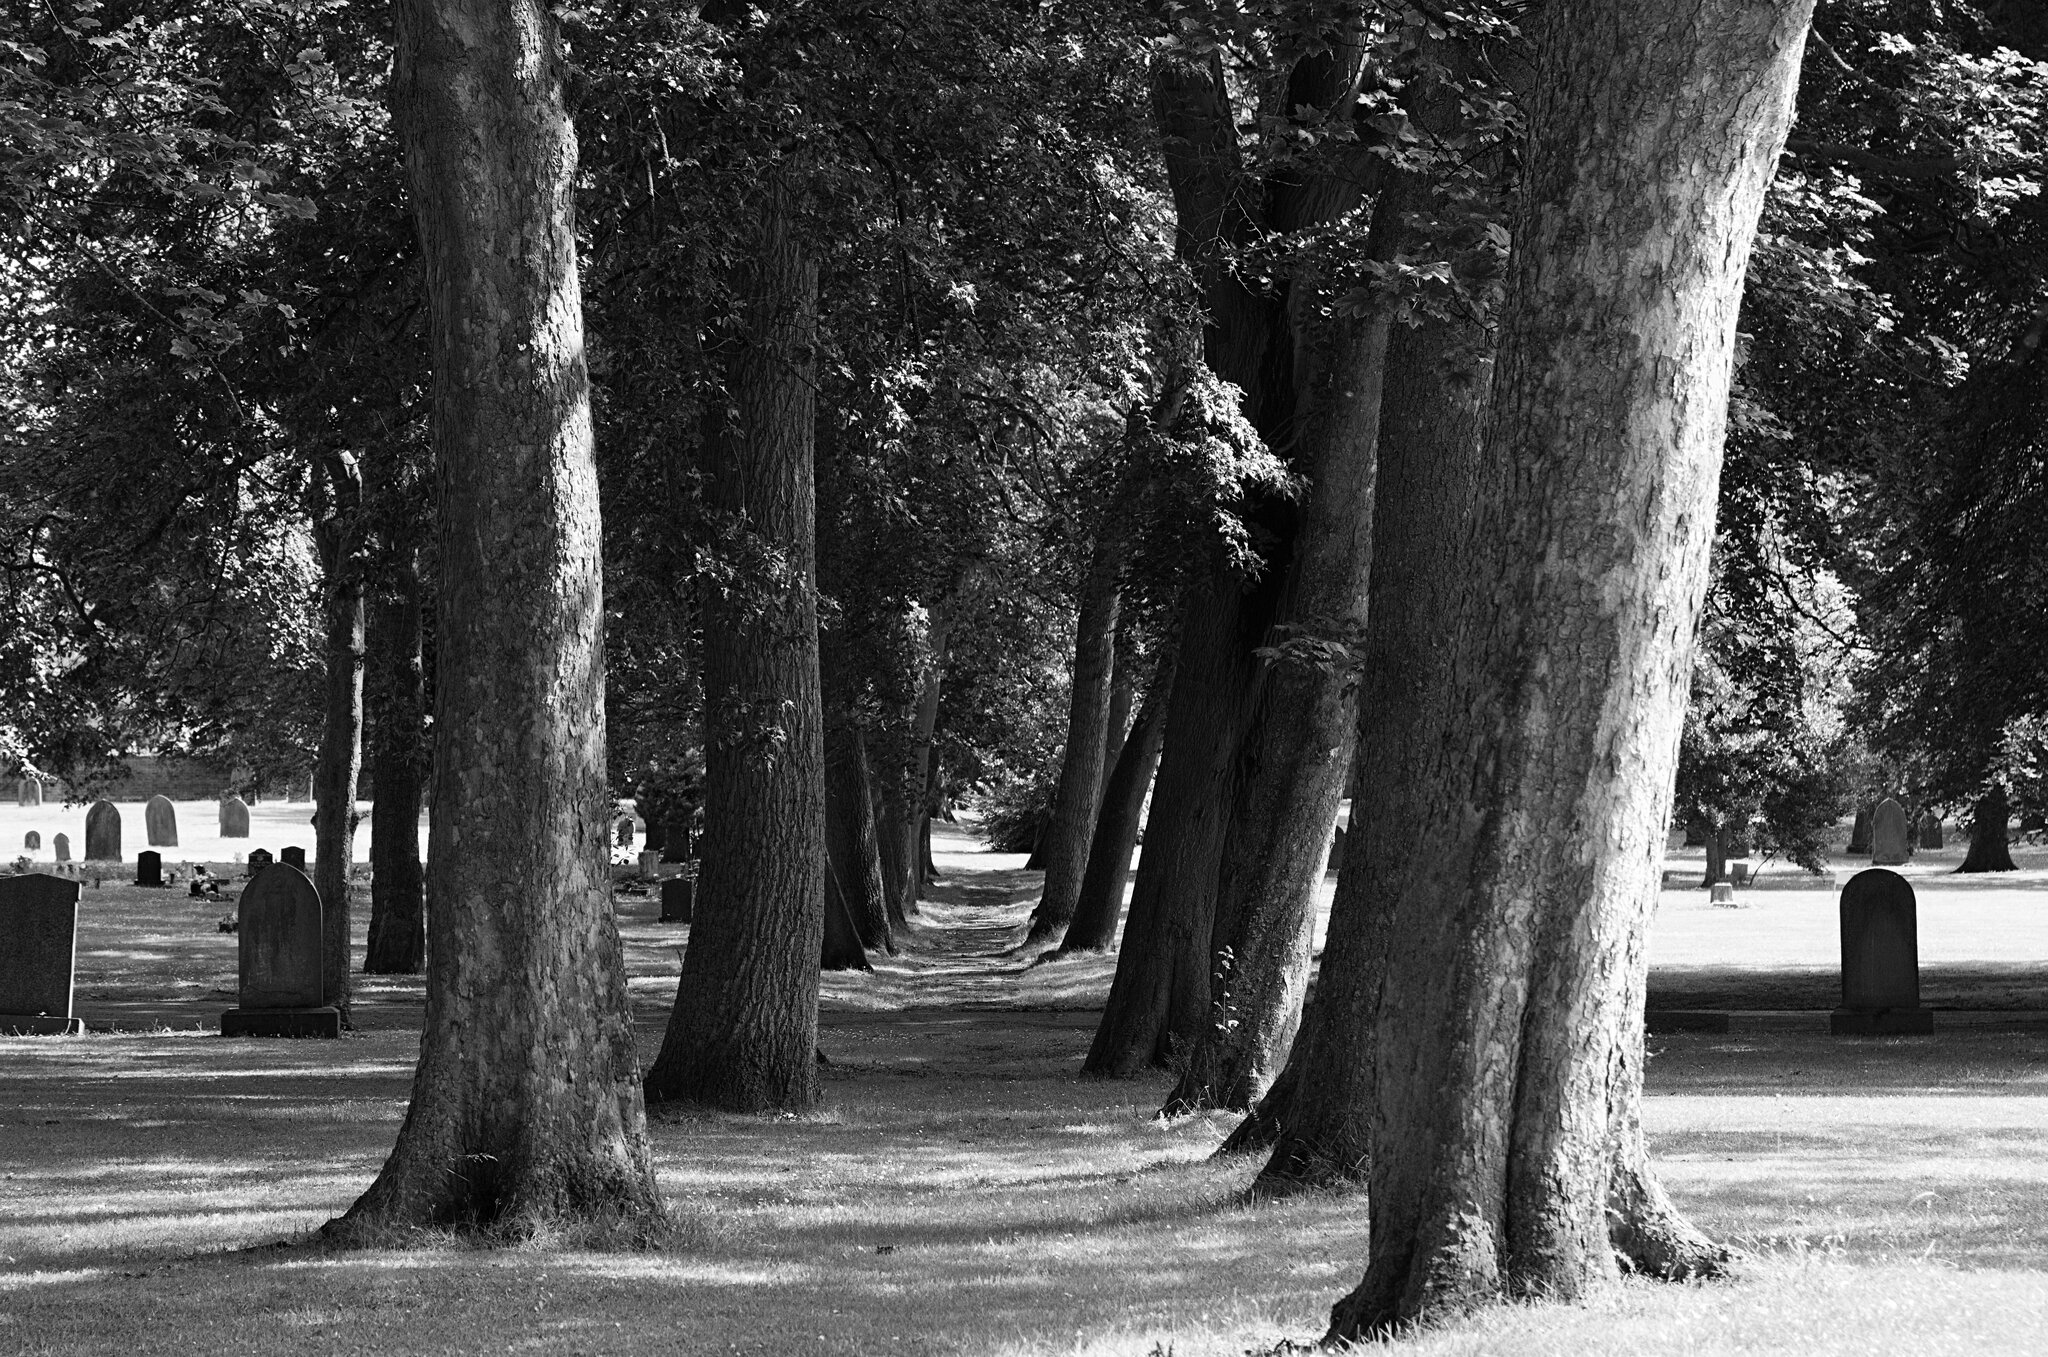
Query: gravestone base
point(39, 1025)
point(281, 1022)
point(1881, 1022)
point(1666, 1021)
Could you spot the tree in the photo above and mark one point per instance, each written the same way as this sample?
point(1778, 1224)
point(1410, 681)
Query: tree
point(744, 1031)
point(1508, 1038)
point(526, 1111)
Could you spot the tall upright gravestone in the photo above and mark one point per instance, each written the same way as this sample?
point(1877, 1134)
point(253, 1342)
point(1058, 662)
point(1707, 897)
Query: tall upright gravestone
point(234, 818)
point(38, 946)
point(30, 793)
point(293, 856)
point(102, 833)
point(259, 858)
point(1930, 830)
point(278, 951)
point(1880, 959)
point(1888, 847)
point(60, 848)
point(149, 868)
point(160, 821)
point(1859, 833)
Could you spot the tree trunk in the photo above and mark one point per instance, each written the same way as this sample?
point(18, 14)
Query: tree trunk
point(1990, 851)
point(902, 819)
point(1508, 1034)
point(338, 536)
point(744, 1032)
point(1116, 828)
point(853, 859)
point(1071, 822)
point(1122, 696)
point(1317, 1117)
point(398, 919)
point(1279, 842)
point(1717, 856)
point(526, 1111)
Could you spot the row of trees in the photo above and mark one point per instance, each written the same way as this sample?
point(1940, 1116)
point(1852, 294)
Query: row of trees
point(1253, 393)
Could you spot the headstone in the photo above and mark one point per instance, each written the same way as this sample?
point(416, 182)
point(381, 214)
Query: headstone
point(1930, 830)
point(675, 839)
point(1880, 958)
point(39, 921)
point(60, 847)
point(1337, 849)
point(278, 947)
point(678, 893)
point(625, 831)
point(149, 868)
point(1888, 834)
point(160, 820)
point(103, 833)
point(293, 856)
point(1738, 873)
point(32, 841)
point(259, 858)
point(30, 793)
point(650, 863)
point(234, 818)
point(1859, 834)
point(1723, 894)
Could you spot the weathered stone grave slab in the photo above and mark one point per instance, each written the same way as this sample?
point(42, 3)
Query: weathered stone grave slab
point(38, 946)
point(60, 847)
point(32, 841)
point(278, 948)
point(29, 793)
point(234, 818)
point(160, 822)
point(1880, 958)
point(1723, 895)
point(102, 833)
point(650, 863)
point(293, 856)
point(259, 858)
point(678, 895)
point(1859, 833)
point(149, 868)
point(1888, 834)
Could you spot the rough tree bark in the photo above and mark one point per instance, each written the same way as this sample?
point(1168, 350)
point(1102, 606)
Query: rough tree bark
point(1990, 849)
point(1116, 828)
point(1122, 697)
point(901, 822)
point(1076, 799)
point(338, 536)
point(744, 1031)
point(397, 704)
point(526, 1111)
point(1508, 1037)
point(853, 853)
point(1316, 1118)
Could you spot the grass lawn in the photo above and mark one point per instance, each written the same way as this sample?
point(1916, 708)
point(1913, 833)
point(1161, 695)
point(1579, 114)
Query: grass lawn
point(962, 1191)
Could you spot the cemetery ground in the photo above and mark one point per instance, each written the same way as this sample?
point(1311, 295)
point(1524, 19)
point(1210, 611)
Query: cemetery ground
point(962, 1191)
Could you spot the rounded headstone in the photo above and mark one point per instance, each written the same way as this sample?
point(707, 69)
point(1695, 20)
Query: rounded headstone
point(32, 841)
point(60, 847)
point(1880, 942)
point(259, 858)
point(102, 833)
point(149, 868)
point(234, 818)
point(278, 940)
point(160, 821)
point(30, 792)
point(1888, 834)
point(1930, 830)
point(39, 920)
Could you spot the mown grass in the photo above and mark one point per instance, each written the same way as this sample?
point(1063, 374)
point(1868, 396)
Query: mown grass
point(964, 1192)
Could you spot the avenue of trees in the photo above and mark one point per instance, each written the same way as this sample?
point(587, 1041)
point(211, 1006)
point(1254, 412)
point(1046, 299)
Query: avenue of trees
point(1543, 424)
